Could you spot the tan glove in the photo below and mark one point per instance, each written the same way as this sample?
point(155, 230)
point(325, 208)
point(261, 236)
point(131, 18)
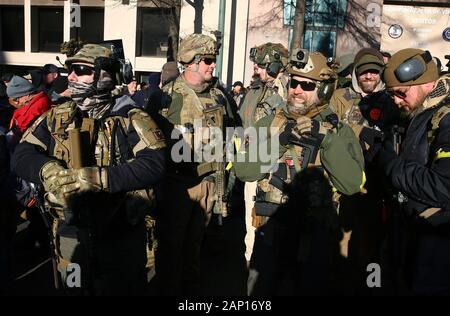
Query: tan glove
point(83, 179)
point(305, 125)
point(60, 182)
point(49, 175)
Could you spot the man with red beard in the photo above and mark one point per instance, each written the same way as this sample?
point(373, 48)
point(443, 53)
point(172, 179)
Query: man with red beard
point(293, 194)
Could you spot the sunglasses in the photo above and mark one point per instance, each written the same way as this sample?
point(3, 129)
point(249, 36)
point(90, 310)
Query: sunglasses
point(398, 94)
point(208, 61)
point(81, 70)
point(305, 85)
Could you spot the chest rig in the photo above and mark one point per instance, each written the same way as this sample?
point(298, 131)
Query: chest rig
point(83, 142)
point(271, 191)
point(264, 103)
point(201, 118)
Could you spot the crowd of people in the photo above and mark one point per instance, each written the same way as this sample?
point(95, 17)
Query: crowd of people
point(337, 163)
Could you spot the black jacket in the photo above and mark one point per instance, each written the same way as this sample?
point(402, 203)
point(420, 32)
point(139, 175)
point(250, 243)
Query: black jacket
point(144, 171)
point(417, 173)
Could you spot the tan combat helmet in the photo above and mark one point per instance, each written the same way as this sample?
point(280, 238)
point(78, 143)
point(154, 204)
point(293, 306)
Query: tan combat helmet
point(88, 53)
point(269, 53)
point(317, 68)
point(320, 69)
point(195, 46)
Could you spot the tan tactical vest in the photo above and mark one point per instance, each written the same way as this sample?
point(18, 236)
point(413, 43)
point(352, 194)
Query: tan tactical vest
point(291, 158)
point(206, 112)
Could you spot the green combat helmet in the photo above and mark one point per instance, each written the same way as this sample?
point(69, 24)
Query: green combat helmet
point(88, 54)
point(269, 53)
point(101, 58)
point(196, 46)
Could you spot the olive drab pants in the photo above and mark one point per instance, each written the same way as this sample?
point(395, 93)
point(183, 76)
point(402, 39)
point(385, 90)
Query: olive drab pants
point(182, 217)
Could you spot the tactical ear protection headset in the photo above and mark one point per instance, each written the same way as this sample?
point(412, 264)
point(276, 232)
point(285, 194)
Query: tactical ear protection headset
point(413, 68)
point(126, 71)
point(326, 88)
point(274, 68)
point(122, 69)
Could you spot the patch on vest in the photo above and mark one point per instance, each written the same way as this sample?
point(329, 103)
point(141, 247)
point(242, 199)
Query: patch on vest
point(354, 116)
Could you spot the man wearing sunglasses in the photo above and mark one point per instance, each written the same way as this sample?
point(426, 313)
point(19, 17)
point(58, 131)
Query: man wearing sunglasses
point(308, 136)
point(96, 156)
point(193, 192)
point(422, 169)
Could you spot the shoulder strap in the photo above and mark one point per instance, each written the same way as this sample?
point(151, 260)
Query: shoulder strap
point(440, 114)
point(192, 106)
point(279, 119)
point(148, 131)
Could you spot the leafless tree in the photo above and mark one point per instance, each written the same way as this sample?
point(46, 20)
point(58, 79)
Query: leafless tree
point(355, 20)
point(198, 20)
point(171, 12)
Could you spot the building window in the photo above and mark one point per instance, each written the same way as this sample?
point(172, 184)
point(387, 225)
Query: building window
point(46, 28)
point(320, 41)
point(92, 25)
point(289, 12)
point(323, 18)
point(325, 13)
point(12, 28)
point(152, 32)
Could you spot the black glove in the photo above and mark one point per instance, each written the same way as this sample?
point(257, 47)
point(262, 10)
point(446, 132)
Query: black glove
point(371, 136)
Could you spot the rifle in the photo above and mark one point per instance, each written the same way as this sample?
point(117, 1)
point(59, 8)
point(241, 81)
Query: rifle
point(221, 207)
point(40, 204)
point(310, 149)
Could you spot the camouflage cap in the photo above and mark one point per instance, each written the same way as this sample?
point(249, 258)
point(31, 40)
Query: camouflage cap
point(429, 74)
point(196, 44)
point(269, 52)
point(88, 53)
point(316, 68)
